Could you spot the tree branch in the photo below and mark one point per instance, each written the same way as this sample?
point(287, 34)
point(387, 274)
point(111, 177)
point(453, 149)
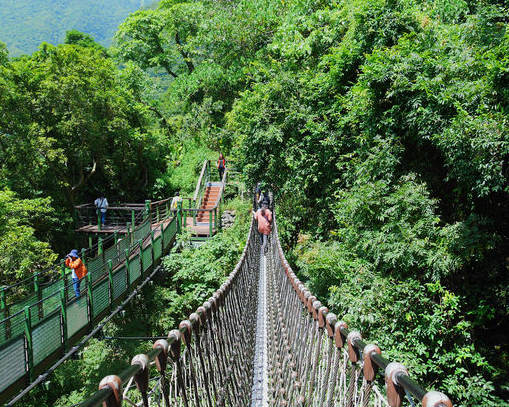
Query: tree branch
point(185, 55)
point(84, 179)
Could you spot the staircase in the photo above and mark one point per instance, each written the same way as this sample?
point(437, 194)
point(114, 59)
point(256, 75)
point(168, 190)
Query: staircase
point(209, 200)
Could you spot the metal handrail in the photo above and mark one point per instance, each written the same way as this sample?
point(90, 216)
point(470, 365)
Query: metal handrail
point(197, 190)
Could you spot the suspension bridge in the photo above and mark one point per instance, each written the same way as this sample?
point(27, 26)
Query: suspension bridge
point(262, 339)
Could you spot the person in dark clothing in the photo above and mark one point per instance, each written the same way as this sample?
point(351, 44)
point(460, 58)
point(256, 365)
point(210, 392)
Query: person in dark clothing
point(262, 196)
point(221, 165)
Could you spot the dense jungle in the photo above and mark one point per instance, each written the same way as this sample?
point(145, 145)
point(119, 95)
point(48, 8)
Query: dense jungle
point(382, 126)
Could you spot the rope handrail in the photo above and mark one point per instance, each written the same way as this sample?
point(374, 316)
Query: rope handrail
point(182, 350)
point(331, 343)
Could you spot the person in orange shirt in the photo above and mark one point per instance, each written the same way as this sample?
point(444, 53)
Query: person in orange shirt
point(264, 219)
point(79, 270)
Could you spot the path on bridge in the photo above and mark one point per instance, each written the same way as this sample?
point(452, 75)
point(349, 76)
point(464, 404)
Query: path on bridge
point(260, 392)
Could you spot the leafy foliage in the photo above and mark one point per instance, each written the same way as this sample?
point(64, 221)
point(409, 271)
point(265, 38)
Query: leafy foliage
point(195, 273)
point(21, 251)
point(69, 128)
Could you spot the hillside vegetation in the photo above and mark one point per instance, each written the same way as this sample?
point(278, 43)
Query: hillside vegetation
point(382, 125)
point(25, 24)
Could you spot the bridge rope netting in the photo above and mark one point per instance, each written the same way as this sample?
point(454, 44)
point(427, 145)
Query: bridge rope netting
point(263, 339)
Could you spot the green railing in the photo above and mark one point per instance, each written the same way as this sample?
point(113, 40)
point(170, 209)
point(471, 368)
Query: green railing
point(201, 185)
point(41, 326)
point(88, 215)
point(214, 220)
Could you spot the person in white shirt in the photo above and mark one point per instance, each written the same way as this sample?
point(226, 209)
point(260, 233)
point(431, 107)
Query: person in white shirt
point(101, 204)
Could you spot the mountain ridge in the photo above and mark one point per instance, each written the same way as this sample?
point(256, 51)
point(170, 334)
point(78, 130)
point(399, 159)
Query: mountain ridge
point(25, 24)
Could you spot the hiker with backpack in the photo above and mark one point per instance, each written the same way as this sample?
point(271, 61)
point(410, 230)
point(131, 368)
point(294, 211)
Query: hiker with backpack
point(264, 218)
point(262, 196)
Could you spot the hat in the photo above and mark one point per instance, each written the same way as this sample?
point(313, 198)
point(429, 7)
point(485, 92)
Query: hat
point(74, 253)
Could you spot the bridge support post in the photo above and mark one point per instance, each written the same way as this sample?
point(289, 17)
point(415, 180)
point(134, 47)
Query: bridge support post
point(38, 292)
point(162, 239)
point(210, 223)
point(63, 318)
point(29, 343)
point(84, 256)
point(3, 302)
point(142, 266)
point(179, 216)
point(152, 253)
point(62, 273)
point(5, 313)
point(147, 208)
point(127, 266)
point(132, 217)
point(90, 301)
point(110, 281)
point(99, 220)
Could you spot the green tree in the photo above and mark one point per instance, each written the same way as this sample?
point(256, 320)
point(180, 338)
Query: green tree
point(21, 251)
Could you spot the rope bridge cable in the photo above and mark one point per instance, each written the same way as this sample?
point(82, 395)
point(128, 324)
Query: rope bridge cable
point(207, 361)
point(281, 349)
